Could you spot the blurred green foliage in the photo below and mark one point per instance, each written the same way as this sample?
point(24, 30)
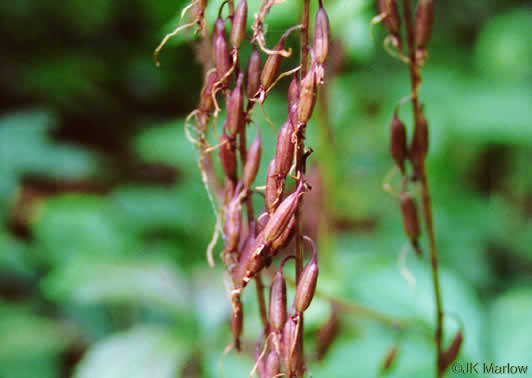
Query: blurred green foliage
point(104, 219)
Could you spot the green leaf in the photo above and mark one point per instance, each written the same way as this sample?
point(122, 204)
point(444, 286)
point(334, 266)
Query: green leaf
point(143, 352)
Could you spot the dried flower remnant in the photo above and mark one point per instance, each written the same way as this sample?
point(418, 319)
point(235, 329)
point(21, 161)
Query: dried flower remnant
point(410, 220)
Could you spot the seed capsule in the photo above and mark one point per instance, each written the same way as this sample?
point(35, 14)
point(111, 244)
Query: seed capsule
point(272, 66)
point(420, 142)
point(235, 107)
point(277, 305)
point(281, 216)
point(398, 148)
point(237, 322)
point(285, 237)
point(206, 94)
point(293, 93)
point(284, 152)
point(307, 98)
point(222, 59)
point(410, 219)
point(322, 34)
point(273, 365)
point(424, 22)
point(253, 74)
point(249, 172)
point(307, 282)
point(233, 224)
point(450, 354)
point(392, 21)
point(252, 260)
point(219, 29)
point(274, 188)
point(227, 156)
point(289, 341)
point(238, 30)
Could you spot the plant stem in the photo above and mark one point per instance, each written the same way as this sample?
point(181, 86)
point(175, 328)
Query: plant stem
point(304, 37)
point(415, 79)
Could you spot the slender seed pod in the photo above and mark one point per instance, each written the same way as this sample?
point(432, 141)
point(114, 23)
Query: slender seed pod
point(293, 93)
point(273, 364)
point(237, 322)
point(322, 33)
point(424, 22)
point(288, 345)
point(420, 142)
point(235, 107)
point(307, 282)
point(206, 94)
point(253, 74)
point(272, 65)
point(274, 188)
point(281, 216)
point(326, 335)
point(219, 29)
point(222, 59)
point(233, 224)
point(261, 222)
point(410, 220)
point(277, 307)
point(229, 189)
point(284, 152)
point(227, 156)
point(307, 97)
point(389, 359)
point(398, 147)
point(450, 354)
point(252, 260)
point(238, 31)
point(392, 21)
point(285, 237)
point(249, 172)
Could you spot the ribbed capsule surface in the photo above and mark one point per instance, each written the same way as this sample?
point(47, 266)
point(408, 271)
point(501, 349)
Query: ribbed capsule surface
point(272, 66)
point(410, 218)
point(227, 154)
point(306, 286)
point(277, 307)
point(233, 224)
point(450, 354)
point(398, 147)
point(307, 97)
point(206, 94)
point(274, 188)
point(235, 107)
point(253, 74)
point(284, 151)
point(322, 33)
point(281, 216)
point(222, 59)
point(424, 22)
point(420, 142)
point(249, 172)
point(273, 365)
point(238, 30)
point(392, 21)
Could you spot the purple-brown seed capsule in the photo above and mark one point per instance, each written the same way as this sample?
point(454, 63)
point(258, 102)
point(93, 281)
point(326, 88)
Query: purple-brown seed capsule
point(424, 22)
point(398, 147)
point(249, 172)
point(322, 34)
point(206, 94)
point(222, 59)
point(252, 260)
point(307, 98)
point(227, 156)
point(272, 66)
point(420, 142)
point(450, 354)
point(293, 93)
point(274, 188)
point(219, 29)
point(273, 365)
point(238, 31)
point(277, 307)
point(237, 322)
point(233, 224)
point(253, 74)
point(289, 341)
point(281, 216)
point(235, 107)
point(392, 21)
point(285, 237)
point(307, 282)
point(284, 152)
point(410, 219)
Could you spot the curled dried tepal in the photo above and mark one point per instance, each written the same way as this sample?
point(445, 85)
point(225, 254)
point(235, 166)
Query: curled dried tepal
point(410, 220)
point(424, 22)
point(235, 107)
point(306, 285)
point(322, 34)
point(398, 147)
point(253, 74)
point(450, 354)
point(249, 172)
point(238, 30)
